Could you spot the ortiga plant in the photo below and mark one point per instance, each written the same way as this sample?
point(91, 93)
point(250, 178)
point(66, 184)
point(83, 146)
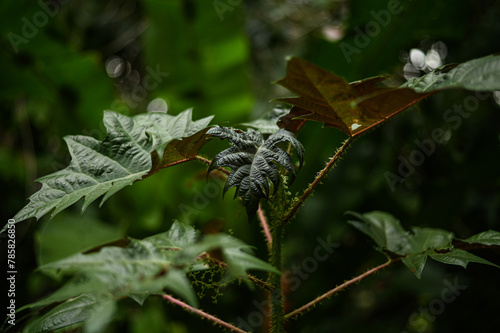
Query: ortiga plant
point(261, 166)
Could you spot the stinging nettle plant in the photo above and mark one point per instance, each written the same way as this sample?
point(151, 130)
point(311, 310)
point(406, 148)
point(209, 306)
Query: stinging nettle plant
point(260, 162)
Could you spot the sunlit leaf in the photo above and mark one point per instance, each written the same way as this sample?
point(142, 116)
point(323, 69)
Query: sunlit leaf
point(328, 98)
point(254, 163)
point(356, 107)
point(101, 168)
point(477, 74)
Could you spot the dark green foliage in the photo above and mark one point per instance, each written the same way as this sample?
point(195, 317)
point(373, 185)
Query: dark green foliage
point(415, 246)
point(254, 163)
point(137, 269)
point(221, 62)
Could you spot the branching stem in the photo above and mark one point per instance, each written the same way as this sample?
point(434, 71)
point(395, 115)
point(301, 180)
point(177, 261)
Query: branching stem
point(203, 314)
point(276, 295)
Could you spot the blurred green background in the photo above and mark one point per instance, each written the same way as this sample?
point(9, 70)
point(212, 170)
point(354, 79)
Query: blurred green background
point(63, 63)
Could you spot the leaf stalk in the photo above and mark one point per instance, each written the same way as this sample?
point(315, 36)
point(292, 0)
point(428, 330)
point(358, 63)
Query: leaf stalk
point(335, 290)
point(309, 190)
point(202, 314)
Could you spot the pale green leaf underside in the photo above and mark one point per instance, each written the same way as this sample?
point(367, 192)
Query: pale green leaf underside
point(415, 246)
point(73, 311)
point(101, 168)
point(268, 123)
point(142, 268)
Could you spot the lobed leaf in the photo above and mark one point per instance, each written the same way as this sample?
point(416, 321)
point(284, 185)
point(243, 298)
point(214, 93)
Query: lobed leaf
point(415, 246)
point(461, 258)
point(101, 168)
point(268, 123)
point(359, 106)
point(139, 269)
point(490, 237)
point(253, 162)
point(73, 311)
point(383, 228)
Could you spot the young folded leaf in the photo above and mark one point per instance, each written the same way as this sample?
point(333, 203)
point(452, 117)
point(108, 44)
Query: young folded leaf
point(254, 163)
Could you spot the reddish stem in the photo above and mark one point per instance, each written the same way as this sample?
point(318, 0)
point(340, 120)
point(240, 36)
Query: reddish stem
point(265, 226)
point(203, 314)
point(336, 289)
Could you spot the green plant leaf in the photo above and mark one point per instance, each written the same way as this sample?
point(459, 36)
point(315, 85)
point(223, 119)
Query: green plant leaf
point(136, 269)
point(460, 257)
point(268, 123)
point(422, 239)
point(383, 228)
point(359, 106)
point(416, 245)
point(328, 98)
point(101, 315)
point(237, 255)
point(101, 168)
point(490, 237)
point(253, 162)
point(415, 263)
point(73, 311)
point(477, 74)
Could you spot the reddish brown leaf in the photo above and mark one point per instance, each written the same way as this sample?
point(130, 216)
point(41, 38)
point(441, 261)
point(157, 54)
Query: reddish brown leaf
point(328, 98)
point(179, 151)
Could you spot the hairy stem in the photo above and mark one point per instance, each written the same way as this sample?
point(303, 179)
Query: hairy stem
point(309, 190)
point(276, 295)
point(208, 162)
point(265, 226)
point(203, 314)
point(335, 290)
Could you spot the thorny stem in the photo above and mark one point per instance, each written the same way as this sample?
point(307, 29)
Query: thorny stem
point(276, 295)
point(309, 190)
point(265, 226)
point(335, 290)
point(197, 157)
point(203, 314)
